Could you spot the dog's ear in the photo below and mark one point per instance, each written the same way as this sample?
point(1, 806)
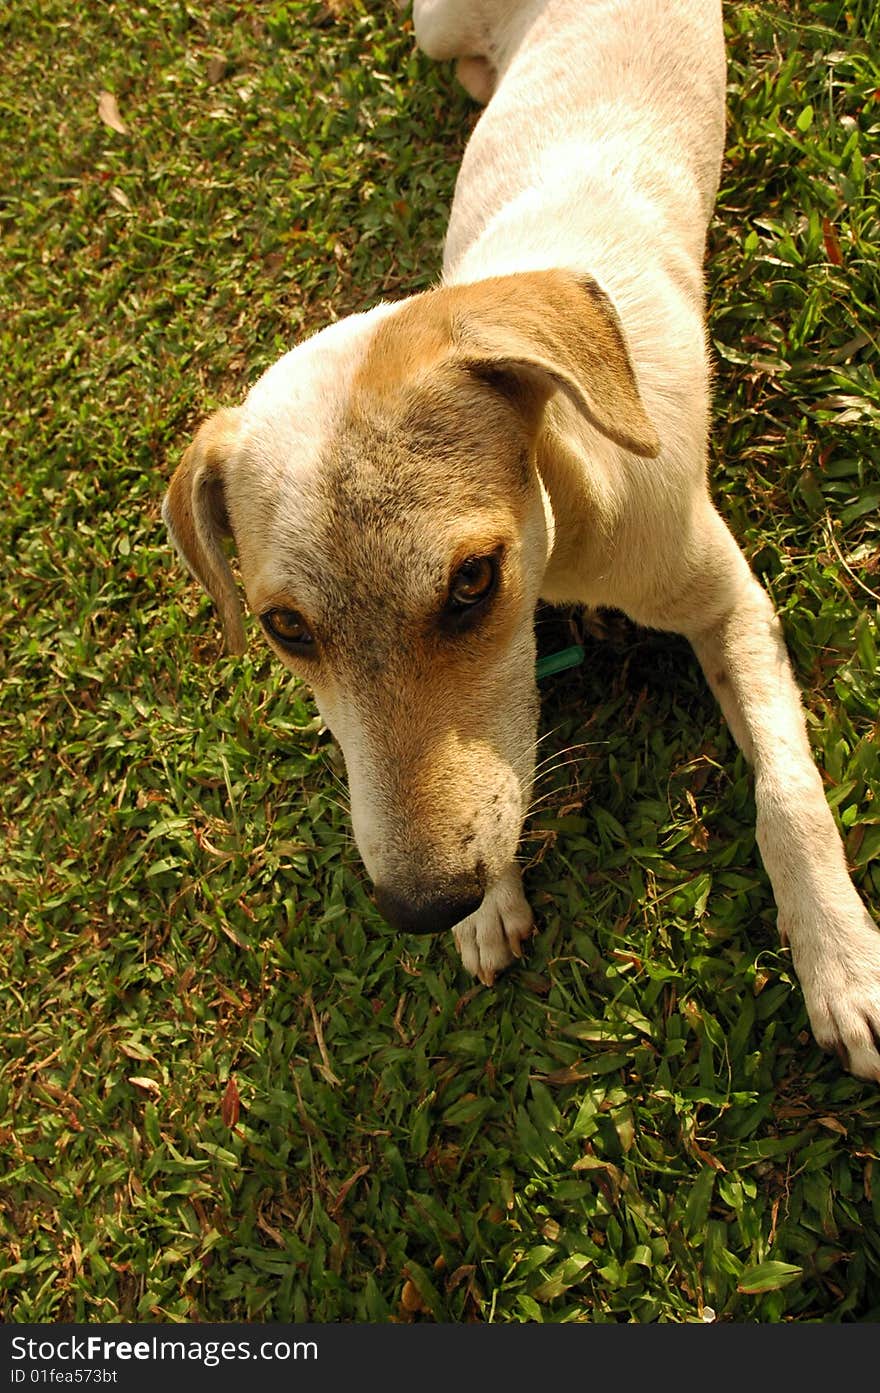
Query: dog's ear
point(195, 514)
point(540, 331)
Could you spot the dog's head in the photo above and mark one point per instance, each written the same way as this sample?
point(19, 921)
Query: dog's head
point(380, 487)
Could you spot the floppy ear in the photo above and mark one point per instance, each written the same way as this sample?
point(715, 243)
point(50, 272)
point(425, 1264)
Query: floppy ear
point(195, 514)
point(540, 331)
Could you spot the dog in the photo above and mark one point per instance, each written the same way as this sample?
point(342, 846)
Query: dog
point(404, 486)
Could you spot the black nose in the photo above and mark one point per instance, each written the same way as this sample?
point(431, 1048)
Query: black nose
point(432, 916)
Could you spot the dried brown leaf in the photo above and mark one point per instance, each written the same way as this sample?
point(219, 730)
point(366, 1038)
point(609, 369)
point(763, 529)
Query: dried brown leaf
point(346, 1186)
point(216, 69)
point(833, 1124)
point(140, 1081)
point(109, 113)
point(832, 242)
point(410, 1299)
point(231, 1105)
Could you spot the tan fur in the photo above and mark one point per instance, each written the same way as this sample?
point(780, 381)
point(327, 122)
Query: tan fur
point(542, 326)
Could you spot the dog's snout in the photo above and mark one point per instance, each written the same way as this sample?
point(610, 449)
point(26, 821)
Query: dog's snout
point(429, 916)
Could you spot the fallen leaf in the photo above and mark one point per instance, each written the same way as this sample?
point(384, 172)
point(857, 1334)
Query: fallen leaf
point(216, 69)
point(705, 1156)
point(699, 838)
point(833, 1125)
point(410, 1299)
point(109, 113)
point(832, 243)
point(274, 1234)
point(467, 1269)
point(345, 1187)
point(229, 1108)
point(570, 1073)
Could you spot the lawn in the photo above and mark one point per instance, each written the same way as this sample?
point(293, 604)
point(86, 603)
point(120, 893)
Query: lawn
point(227, 1090)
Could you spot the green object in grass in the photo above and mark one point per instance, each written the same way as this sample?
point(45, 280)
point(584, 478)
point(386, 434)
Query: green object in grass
point(558, 662)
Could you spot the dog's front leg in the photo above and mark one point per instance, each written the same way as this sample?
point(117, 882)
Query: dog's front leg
point(490, 939)
point(834, 942)
point(458, 29)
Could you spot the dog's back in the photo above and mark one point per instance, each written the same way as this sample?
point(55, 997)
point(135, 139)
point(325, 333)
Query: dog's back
point(604, 134)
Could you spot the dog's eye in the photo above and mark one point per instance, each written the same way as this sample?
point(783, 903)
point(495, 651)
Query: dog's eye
point(289, 629)
point(473, 582)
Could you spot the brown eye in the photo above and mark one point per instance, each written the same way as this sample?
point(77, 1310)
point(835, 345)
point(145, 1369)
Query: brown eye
point(473, 582)
point(288, 628)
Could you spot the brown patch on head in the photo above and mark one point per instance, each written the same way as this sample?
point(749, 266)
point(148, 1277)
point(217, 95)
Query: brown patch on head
point(429, 468)
point(525, 336)
point(403, 348)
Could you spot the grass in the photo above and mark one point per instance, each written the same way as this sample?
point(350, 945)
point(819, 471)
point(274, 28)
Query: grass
point(227, 1090)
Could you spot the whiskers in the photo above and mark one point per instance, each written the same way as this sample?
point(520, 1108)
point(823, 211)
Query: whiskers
point(540, 786)
point(560, 799)
point(546, 768)
point(340, 788)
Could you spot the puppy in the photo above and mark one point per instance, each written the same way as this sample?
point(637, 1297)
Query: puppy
point(404, 486)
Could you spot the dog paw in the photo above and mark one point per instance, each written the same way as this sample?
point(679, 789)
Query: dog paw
point(839, 970)
point(490, 939)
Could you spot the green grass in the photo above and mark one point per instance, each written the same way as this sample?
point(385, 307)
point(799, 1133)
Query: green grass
point(634, 1126)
